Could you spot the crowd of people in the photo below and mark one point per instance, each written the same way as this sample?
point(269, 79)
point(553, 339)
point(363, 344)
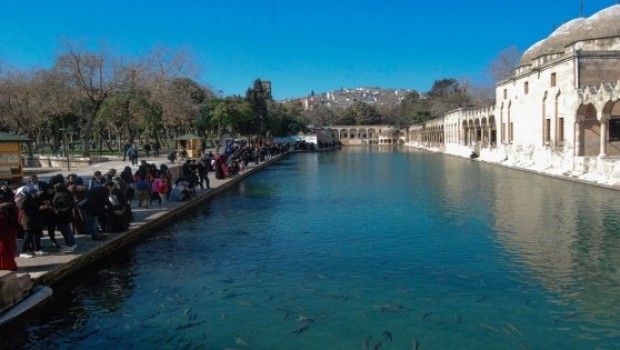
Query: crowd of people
point(72, 205)
point(102, 204)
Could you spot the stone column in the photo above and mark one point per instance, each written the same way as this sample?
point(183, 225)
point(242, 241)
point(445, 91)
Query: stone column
point(603, 152)
point(577, 152)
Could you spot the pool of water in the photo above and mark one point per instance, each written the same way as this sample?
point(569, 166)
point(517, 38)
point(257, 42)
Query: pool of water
point(355, 249)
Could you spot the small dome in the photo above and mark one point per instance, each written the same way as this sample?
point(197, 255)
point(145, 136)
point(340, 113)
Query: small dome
point(554, 43)
point(603, 24)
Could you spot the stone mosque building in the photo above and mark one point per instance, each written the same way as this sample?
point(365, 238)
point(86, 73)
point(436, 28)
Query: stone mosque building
point(558, 114)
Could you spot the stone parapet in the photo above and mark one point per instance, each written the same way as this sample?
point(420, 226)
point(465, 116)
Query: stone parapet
point(13, 288)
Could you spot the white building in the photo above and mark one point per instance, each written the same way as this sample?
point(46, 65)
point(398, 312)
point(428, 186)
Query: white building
point(558, 114)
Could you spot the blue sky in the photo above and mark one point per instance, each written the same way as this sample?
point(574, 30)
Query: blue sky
point(300, 45)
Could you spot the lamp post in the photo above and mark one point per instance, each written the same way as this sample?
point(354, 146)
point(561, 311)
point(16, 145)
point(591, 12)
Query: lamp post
point(65, 148)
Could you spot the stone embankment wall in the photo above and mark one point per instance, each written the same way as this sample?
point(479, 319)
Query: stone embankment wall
point(591, 170)
point(13, 289)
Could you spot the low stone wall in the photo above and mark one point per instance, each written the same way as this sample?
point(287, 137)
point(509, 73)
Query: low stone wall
point(603, 172)
point(45, 162)
point(13, 289)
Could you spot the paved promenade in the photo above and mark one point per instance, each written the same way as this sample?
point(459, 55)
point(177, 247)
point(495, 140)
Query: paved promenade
point(54, 266)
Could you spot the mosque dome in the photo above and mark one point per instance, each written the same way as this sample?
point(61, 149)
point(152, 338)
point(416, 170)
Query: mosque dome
point(603, 24)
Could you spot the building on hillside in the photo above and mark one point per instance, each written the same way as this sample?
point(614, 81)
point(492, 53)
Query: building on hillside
point(559, 111)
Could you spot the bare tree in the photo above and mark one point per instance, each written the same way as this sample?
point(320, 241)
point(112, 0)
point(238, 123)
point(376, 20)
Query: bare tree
point(504, 64)
point(169, 78)
point(19, 109)
point(93, 76)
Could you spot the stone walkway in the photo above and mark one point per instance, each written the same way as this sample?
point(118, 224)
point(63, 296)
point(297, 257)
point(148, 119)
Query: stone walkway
point(54, 266)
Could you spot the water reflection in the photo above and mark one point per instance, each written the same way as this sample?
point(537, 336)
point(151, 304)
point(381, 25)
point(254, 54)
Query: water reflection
point(567, 235)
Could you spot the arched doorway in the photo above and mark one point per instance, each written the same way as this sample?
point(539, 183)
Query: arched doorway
point(611, 113)
point(589, 135)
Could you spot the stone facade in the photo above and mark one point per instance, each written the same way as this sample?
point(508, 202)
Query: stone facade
point(356, 135)
point(559, 113)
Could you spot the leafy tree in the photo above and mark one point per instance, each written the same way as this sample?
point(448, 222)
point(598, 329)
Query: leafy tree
point(122, 112)
point(415, 109)
point(257, 97)
point(221, 116)
point(361, 113)
point(344, 116)
point(283, 119)
point(446, 95)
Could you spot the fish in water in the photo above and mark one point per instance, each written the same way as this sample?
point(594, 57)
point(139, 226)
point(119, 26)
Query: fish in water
point(390, 307)
point(304, 319)
point(366, 342)
point(300, 330)
point(240, 341)
point(482, 298)
point(514, 328)
point(377, 346)
point(415, 345)
point(388, 335)
point(189, 325)
point(426, 315)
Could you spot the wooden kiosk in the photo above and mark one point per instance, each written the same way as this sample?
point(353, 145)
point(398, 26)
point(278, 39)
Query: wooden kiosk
point(11, 168)
point(191, 143)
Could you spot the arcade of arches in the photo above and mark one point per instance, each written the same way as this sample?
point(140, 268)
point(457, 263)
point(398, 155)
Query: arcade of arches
point(597, 129)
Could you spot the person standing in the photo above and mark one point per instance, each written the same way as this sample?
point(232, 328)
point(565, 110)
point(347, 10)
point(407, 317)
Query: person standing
point(8, 228)
point(156, 148)
point(30, 206)
point(97, 180)
point(132, 153)
point(147, 150)
point(203, 177)
point(126, 147)
point(62, 206)
point(155, 185)
point(93, 208)
point(164, 190)
point(48, 216)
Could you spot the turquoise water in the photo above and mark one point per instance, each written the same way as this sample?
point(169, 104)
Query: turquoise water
point(349, 249)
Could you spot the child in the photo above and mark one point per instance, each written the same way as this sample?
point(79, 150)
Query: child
point(143, 189)
point(164, 188)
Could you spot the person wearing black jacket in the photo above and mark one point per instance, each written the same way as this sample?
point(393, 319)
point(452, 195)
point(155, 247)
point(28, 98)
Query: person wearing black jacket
point(62, 207)
point(31, 206)
point(93, 207)
point(203, 170)
point(49, 218)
